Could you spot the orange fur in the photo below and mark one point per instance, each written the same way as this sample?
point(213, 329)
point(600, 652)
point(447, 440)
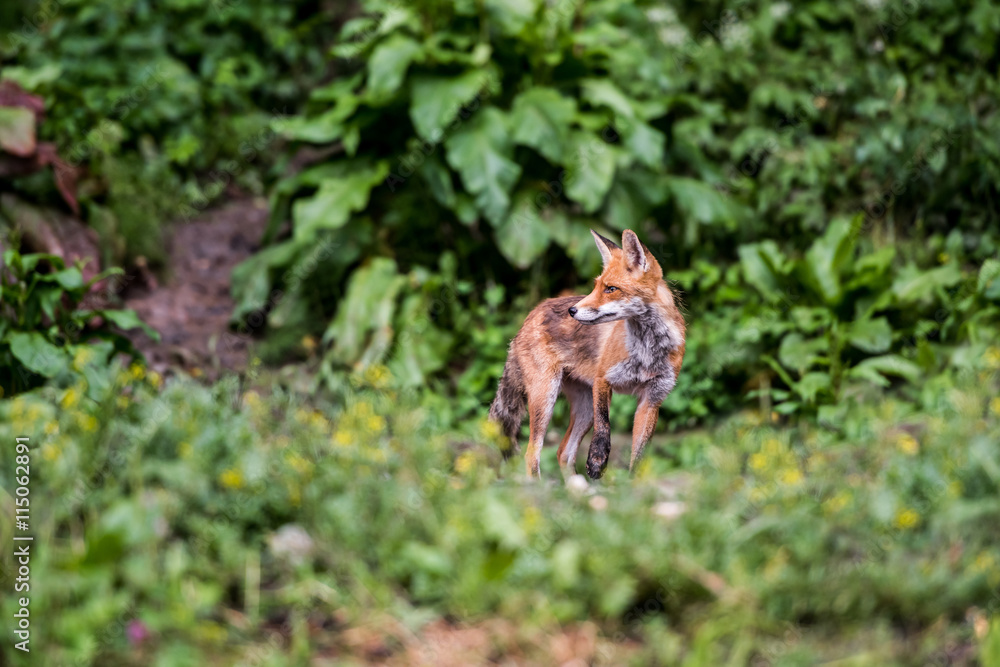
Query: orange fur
point(633, 343)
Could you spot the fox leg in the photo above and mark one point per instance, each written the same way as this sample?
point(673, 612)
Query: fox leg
point(540, 406)
point(600, 446)
point(642, 428)
point(581, 418)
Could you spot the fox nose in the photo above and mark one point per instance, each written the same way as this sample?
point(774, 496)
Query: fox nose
point(572, 310)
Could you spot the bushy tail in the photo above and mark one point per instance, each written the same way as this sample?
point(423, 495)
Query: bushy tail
point(507, 409)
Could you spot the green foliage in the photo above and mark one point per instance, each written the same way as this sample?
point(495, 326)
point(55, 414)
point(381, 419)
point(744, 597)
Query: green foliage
point(212, 518)
point(164, 104)
point(759, 150)
point(46, 333)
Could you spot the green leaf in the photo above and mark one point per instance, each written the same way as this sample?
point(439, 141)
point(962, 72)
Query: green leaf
point(698, 202)
point(825, 261)
point(512, 15)
point(388, 64)
point(17, 130)
point(480, 151)
point(811, 385)
point(127, 319)
point(876, 368)
point(436, 100)
point(988, 283)
point(590, 170)
point(524, 235)
point(602, 92)
point(871, 336)
point(799, 354)
point(541, 118)
point(646, 143)
point(37, 354)
point(759, 261)
point(913, 285)
point(362, 329)
point(336, 199)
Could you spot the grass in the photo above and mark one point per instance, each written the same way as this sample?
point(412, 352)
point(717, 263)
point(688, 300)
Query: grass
point(182, 522)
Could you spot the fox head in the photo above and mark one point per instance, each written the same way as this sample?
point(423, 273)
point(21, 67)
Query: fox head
point(630, 281)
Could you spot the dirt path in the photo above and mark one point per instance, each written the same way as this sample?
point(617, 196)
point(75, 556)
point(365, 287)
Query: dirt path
point(191, 307)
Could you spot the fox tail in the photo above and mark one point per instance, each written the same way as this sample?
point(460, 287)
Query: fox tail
point(508, 407)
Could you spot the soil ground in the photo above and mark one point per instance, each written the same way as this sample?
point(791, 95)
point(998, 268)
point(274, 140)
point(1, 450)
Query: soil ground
point(192, 305)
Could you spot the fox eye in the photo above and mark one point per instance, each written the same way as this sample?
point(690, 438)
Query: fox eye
point(609, 289)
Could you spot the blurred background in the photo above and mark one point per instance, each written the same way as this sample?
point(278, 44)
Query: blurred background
point(262, 261)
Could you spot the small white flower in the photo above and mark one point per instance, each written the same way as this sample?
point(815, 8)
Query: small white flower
point(736, 35)
point(598, 503)
point(661, 15)
point(779, 10)
point(577, 485)
point(669, 509)
point(673, 35)
point(292, 543)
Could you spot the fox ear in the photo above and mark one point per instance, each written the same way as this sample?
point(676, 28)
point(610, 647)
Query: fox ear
point(605, 246)
point(635, 256)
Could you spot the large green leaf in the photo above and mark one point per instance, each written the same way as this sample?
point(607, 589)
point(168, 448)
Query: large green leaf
point(524, 235)
point(700, 203)
point(128, 319)
point(590, 170)
point(512, 15)
point(988, 283)
point(480, 151)
point(388, 64)
point(362, 329)
point(876, 368)
point(800, 354)
point(914, 284)
point(825, 261)
point(760, 263)
point(541, 118)
point(336, 199)
point(37, 354)
point(436, 99)
point(871, 336)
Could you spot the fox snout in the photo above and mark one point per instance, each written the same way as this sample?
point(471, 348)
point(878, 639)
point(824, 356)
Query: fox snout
point(572, 311)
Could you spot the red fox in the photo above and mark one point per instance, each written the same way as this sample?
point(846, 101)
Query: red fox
point(625, 336)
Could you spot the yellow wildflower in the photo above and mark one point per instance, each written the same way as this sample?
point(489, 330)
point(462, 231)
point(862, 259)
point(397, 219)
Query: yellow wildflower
point(155, 379)
point(992, 357)
point(791, 476)
point(84, 355)
point(309, 343)
point(87, 422)
point(137, 372)
point(375, 424)
point(532, 517)
point(758, 461)
point(231, 478)
point(51, 452)
point(185, 450)
point(299, 464)
point(70, 398)
point(51, 428)
point(342, 438)
point(907, 519)
point(907, 444)
point(465, 462)
point(995, 406)
point(838, 502)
